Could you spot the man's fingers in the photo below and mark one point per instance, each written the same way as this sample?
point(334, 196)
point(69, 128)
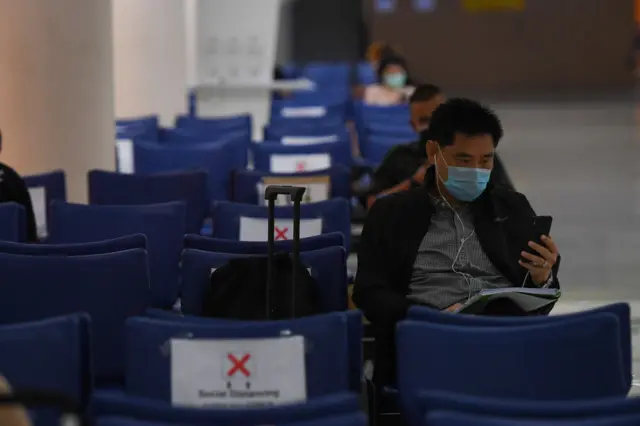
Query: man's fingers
point(543, 251)
point(536, 260)
point(551, 245)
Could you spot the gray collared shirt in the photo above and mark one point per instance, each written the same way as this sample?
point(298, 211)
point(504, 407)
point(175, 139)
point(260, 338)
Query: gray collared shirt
point(436, 280)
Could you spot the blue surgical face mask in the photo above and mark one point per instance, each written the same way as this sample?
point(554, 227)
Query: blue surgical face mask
point(396, 80)
point(465, 183)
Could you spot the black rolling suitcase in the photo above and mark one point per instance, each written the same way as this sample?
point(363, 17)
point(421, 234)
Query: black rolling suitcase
point(272, 287)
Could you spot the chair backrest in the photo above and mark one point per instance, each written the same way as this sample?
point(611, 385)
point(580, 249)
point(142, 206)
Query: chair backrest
point(109, 188)
point(248, 184)
point(355, 330)
point(149, 367)
point(49, 355)
point(216, 158)
point(447, 418)
point(129, 242)
point(162, 224)
point(216, 126)
point(109, 404)
point(328, 267)
point(43, 189)
point(429, 401)
point(275, 157)
point(529, 362)
point(199, 242)
point(13, 225)
point(109, 287)
point(244, 222)
point(622, 311)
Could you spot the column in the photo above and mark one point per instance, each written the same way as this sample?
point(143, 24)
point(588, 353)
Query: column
point(56, 88)
point(150, 58)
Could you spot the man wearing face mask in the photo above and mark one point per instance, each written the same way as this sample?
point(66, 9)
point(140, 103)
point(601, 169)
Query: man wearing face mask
point(440, 244)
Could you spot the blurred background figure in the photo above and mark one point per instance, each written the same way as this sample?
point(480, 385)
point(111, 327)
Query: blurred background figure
point(394, 85)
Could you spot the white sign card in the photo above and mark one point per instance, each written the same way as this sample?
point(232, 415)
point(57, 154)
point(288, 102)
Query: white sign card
point(282, 163)
point(238, 373)
point(257, 229)
point(303, 112)
point(38, 195)
point(125, 156)
point(308, 140)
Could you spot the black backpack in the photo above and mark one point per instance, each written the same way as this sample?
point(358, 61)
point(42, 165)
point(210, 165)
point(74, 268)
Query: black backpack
point(238, 290)
point(272, 287)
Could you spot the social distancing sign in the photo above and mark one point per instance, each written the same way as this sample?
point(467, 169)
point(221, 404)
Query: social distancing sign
point(257, 229)
point(233, 373)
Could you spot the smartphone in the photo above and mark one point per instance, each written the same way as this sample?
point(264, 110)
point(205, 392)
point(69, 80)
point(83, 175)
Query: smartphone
point(540, 225)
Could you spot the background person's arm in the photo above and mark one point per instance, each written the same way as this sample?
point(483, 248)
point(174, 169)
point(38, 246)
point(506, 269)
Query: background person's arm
point(11, 415)
point(373, 290)
point(405, 185)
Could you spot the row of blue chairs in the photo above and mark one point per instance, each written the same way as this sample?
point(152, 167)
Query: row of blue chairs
point(565, 368)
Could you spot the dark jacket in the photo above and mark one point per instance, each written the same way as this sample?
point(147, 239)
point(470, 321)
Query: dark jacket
point(13, 188)
point(391, 236)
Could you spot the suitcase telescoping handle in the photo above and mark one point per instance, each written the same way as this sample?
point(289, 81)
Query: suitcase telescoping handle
point(295, 193)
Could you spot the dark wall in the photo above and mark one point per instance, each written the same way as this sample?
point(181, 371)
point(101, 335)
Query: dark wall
point(560, 45)
point(327, 30)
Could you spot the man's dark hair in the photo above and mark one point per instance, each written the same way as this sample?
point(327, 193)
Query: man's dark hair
point(466, 116)
point(424, 93)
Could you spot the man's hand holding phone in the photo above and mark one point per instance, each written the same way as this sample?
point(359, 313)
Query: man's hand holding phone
point(543, 257)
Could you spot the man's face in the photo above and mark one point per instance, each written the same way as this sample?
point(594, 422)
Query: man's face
point(467, 151)
point(421, 112)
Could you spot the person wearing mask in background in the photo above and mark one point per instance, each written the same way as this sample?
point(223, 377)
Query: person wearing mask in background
point(404, 165)
point(459, 233)
point(14, 189)
point(393, 87)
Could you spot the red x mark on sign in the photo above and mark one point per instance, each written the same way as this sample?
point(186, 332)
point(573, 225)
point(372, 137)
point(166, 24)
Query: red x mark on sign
point(301, 166)
point(238, 365)
point(281, 234)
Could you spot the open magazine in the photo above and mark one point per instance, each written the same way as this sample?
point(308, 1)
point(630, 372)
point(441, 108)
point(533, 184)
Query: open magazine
point(528, 299)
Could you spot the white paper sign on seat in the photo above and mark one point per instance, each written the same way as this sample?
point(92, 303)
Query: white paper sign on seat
point(257, 229)
point(237, 373)
point(304, 112)
point(299, 163)
point(38, 195)
point(308, 140)
point(125, 155)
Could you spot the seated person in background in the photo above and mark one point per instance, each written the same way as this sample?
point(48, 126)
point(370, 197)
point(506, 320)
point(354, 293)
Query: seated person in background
point(393, 88)
point(13, 188)
point(440, 244)
point(404, 165)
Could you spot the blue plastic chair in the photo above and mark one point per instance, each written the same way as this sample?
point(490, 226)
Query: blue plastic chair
point(430, 401)
point(335, 215)
point(366, 74)
point(328, 267)
point(136, 241)
point(620, 310)
point(536, 362)
point(13, 225)
point(355, 419)
point(49, 355)
point(355, 331)
point(131, 128)
point(198, 242)
point(218, 159)
point(445, 418)
point(163, 225)
point(326, 74)
point(112, 404)
point(109, 287)
point(149, 368)
point(245, 183)
point(339, 154)
point(108, 188)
